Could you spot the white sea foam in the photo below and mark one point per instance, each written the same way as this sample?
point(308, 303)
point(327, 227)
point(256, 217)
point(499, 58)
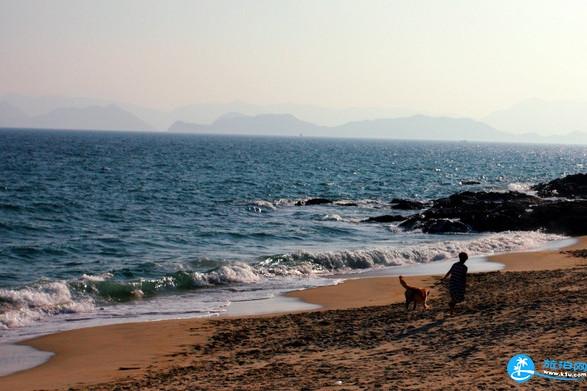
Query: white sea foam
point(22, 306)
point(287, 202)
point(345, 260)
point(234, 273)
point(332, 217)
point(394, 228)
point(264, 204)
point(522, 187)
point(19, 307)
point(96, 277)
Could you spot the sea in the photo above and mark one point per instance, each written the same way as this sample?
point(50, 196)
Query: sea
point(104, 227)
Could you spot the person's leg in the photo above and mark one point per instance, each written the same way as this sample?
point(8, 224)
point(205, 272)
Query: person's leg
point(453, 302)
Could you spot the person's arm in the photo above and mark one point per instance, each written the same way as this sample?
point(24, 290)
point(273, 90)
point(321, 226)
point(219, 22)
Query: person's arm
point(447, 274)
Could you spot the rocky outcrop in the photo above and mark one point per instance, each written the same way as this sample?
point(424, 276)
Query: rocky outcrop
point(562, 217)
point(437, 226)
point(571, 186)
point(560, 207)
point(494, 212)
point(403, 204)
point(480, 211)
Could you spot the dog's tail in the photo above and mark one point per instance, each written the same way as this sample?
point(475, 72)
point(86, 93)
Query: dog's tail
point(404, 284)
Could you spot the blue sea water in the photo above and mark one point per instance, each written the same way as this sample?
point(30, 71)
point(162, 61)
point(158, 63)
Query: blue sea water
point(112, 224)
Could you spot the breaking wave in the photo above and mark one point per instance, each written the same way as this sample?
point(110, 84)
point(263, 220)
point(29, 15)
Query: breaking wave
point(23, 306)
point(348, 260)
point(522, 187)
point(47, 298)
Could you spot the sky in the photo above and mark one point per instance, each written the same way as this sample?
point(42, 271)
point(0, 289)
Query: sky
point(454, 57)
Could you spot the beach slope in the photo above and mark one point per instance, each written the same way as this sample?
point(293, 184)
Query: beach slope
point(541, 313)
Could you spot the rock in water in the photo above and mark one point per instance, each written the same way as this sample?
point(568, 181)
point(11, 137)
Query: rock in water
point(402, 204)
point(571, 186)
point(440, 226)
point(314, 201)
point(495, 212)
point(384, 219)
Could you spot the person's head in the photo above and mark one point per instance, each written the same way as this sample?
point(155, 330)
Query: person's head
point(463, 257)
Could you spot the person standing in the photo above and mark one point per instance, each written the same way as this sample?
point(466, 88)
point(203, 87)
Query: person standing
point(458, 281)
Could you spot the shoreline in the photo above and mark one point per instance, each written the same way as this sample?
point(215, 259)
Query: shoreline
point(383, 290)
point(122, 351)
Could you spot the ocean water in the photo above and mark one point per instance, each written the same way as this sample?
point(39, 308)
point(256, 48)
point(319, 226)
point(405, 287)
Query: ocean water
point(125, 226)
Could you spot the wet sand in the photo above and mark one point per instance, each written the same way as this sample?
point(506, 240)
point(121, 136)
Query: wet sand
point(374, 291)
point(358, 338)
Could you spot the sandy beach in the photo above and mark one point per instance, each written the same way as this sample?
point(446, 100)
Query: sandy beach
point(361, 338)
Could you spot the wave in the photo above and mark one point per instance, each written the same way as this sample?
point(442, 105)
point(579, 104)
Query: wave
point(348, 260)
point(332, 217)
point(46, 298)
point(522, 187)
point(23, 306)
point(260, 205)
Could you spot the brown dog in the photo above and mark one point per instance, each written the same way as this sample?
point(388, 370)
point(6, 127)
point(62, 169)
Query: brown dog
point(415, 295)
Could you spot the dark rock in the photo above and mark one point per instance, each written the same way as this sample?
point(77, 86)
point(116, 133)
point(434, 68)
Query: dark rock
point(402, 204)
point(469, 198)
point(469, 182)
point(384, 219)
point(481, 211)
point(413, 222)
point(440, 226)
point(562, 217)
point(314, 201)
point(571, 186)
point(495, 212)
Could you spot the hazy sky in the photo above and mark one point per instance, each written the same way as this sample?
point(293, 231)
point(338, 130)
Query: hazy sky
point(447, 57)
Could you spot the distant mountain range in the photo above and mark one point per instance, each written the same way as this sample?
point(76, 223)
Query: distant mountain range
point(109, 117)
point(569, 119)
point(203, 112)
point(264, 124)
point(416, 127)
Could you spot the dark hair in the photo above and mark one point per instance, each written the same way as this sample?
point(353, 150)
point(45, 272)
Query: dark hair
point(463, 257)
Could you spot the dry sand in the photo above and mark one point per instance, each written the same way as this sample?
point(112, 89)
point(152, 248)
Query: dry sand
point(541, 313)
point(360, 292)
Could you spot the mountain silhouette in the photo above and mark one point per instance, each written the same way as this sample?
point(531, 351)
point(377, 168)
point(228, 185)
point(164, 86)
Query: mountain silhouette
point(109, 117)
point(417, 127)
point(264, 124)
